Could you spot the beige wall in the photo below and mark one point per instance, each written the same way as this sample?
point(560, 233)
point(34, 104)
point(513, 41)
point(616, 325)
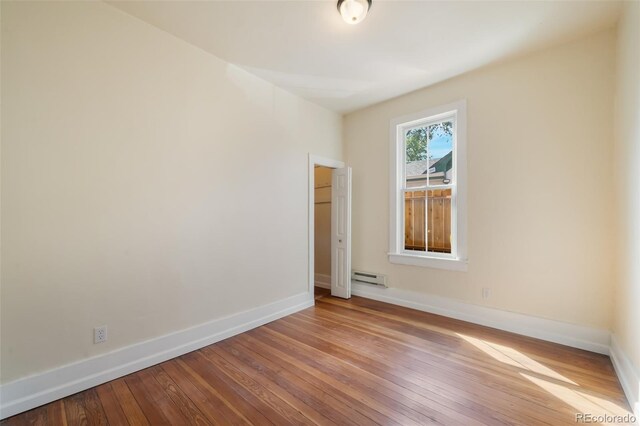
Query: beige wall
point(146, 185)
point(322, 218)
point(626, 325)
point(540, 184)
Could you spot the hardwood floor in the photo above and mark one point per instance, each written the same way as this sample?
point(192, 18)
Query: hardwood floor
point(355, 362)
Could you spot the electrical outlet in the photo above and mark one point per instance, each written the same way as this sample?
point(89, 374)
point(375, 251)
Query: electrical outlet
point(486, 292)
point(100, 334)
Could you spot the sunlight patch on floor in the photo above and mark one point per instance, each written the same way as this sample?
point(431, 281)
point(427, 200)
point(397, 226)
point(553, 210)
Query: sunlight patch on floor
point(580, 401)
point(514, 358)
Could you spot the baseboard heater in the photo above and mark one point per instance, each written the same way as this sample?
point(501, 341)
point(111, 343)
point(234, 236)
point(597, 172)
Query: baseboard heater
point(369, 278)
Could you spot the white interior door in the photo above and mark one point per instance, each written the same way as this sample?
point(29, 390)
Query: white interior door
point(341, 233)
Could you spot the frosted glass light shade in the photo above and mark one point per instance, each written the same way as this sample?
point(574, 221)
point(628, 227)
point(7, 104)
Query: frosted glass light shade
point(353, 11)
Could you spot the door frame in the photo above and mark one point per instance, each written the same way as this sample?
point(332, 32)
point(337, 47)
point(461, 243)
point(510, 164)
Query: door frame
point(315, 160)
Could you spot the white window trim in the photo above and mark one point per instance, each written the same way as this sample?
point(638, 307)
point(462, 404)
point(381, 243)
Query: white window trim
point(397, 254)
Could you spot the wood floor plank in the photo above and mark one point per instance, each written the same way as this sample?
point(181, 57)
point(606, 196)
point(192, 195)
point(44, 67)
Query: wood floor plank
point(462, 356)
point(453, 329)
point(210, 404)
point(253, 389)
point(132, 411)
point(145, 400)
point(308, 414)
point(19, 420)
point(216, 380)
point(113, 410)
point(418, 407)
point(330, 407)
point(349, 384)
point(355, 362)
point(317, 379)
point(547, 351)
point(38, 417)
point(451, 400)
point(468, 399)
point(93, 408)
point(409, 331)
point(179, 398)
point(169, 408)
point(56, 414)
point(74, 409)
point(528, 391)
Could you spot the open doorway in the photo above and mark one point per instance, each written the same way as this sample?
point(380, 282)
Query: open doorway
point(322, 230)
point(329, 227)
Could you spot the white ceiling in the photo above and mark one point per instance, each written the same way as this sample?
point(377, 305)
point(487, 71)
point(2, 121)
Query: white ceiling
point(306, 48)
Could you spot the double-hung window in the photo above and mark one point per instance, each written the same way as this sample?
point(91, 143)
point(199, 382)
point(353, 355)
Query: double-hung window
point(428, 188)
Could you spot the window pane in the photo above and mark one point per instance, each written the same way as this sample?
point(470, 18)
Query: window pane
point(439, 220)
point(440, 153)
point(414, 220)
point(416, 157)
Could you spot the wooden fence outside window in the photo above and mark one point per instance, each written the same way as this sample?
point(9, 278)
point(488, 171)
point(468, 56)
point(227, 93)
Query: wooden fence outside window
point(438, 224)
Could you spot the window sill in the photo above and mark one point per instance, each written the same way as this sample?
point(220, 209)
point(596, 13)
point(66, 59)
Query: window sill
point(428, 262)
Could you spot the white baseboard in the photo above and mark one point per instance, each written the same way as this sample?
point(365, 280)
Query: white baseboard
point(322, 280)
point(33, 391)
point(591, 339)
point(628, 375)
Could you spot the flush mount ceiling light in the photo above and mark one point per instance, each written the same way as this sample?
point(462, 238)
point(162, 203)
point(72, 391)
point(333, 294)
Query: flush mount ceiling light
point(353, 11)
